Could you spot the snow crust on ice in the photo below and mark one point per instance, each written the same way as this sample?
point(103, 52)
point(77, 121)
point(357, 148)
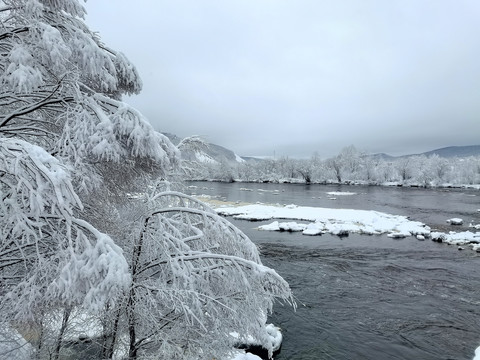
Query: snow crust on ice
point(477, 226)
point(246, 356)
point(477, 354)
point(283, 226)
point(459, 238)
point(341, 193)
point(273, 333)
point(325, 220)
point(344, 221)
point(455, 221)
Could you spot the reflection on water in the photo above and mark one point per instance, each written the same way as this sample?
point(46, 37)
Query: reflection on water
point(371, 297)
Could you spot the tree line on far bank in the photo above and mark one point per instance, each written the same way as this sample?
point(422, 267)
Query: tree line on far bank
point(349, 166)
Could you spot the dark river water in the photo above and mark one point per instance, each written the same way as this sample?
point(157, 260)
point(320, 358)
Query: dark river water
point(370, 297)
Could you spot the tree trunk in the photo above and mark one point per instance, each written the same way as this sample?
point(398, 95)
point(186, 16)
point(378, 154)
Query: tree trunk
point(137, 251)
point(66, 315)
point(107, 352)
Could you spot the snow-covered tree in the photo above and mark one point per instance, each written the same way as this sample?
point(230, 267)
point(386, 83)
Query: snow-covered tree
point(49, 259)
point(57, 113)
point(370, 169)
point(75, 165)
point(61, 86)
point(404, 168)
point(195, 279)
point(246, 171)
point(386, 171)
point(306, 169)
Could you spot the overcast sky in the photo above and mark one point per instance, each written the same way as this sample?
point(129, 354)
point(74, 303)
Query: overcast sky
point(292, 77)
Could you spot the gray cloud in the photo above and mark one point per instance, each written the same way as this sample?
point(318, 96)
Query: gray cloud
point(300, 76)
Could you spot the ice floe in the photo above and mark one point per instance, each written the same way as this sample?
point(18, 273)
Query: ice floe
point(318, 221)
point(341, 193)
point(246, 356)
point(325, 220)
point(458, 238)
point(455, 221)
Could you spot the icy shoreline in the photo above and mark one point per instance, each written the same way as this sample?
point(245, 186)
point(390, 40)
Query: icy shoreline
point(347, 182)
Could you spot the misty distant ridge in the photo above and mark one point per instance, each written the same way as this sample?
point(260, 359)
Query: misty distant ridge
point(456, 151)
point(217, 153)
point(445, 152)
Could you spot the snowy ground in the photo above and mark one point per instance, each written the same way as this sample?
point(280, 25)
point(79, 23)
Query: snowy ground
point(276, 339)
point(317, 221)
point(477, 354)
point(245, 356)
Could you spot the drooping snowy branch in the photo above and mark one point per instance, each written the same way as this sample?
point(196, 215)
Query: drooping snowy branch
point(191, 269)
point(47, 256)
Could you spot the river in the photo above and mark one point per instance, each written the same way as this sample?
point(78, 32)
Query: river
point(370, 297)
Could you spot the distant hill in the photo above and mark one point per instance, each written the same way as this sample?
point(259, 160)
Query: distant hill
point(213, 153)
point(455, 151)
point(446, 152)
point(382, 156)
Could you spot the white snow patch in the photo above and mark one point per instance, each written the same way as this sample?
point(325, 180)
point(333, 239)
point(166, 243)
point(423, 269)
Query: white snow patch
point(325, 220)
point(204, 158)
point(398, 235)
point(275, 335)
point(239, 159)
point(245, 356)
point(459, 238)
point(341, 193)
point(477, 227)
point(283, 226)
point(455, 221)
point(273, 332)
point(477, 354)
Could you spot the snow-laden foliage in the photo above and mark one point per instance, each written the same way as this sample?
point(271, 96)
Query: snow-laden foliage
point(171, 277)
point(195, 279)
point(60, 88)
point(47, 256)
point(59, 122)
